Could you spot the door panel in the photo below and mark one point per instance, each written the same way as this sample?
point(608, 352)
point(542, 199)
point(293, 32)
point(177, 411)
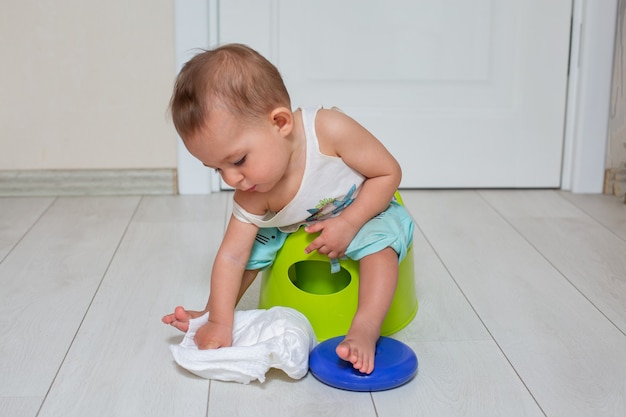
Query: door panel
point(465, 93)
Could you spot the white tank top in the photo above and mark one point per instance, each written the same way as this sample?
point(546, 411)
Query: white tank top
point(328, 186)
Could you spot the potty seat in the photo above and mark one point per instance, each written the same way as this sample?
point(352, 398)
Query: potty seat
point(329, 300)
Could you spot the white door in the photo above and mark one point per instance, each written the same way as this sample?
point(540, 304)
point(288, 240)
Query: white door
point(465, 93)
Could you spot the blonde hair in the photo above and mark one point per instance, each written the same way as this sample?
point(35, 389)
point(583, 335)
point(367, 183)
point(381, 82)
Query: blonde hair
point(234, 78)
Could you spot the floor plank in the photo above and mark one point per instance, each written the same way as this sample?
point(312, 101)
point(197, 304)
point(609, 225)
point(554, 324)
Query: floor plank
point(48, 281)
point(17, 215)
point(459, 378)
point(120, 363)
point(606, 209)
point(570, 357)
point(282, 397)
point(444, 314)
point(20, 406)
point(589, 255)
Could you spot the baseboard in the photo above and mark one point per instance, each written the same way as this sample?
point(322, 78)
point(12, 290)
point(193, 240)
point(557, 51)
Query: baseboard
point(88, 182)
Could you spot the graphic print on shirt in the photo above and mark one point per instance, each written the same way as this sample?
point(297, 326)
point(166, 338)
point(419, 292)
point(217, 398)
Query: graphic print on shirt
point(265, 235)
point(331, 205)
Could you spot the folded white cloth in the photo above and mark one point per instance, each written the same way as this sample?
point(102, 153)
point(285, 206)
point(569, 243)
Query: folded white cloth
point(280, 338)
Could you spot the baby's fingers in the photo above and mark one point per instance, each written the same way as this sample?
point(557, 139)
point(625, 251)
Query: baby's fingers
point(313, 246)
point(315, 227)
point(317, 242)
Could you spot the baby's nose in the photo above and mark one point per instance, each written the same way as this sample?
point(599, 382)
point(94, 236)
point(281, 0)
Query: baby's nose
point(233, 178)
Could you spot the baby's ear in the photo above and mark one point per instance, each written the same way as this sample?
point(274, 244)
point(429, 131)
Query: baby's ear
point(282, 117)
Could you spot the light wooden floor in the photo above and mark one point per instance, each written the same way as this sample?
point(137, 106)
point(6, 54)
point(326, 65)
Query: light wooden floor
point(522, 309)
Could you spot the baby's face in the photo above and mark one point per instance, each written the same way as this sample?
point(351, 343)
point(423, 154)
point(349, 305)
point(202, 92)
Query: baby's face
point(250, 157)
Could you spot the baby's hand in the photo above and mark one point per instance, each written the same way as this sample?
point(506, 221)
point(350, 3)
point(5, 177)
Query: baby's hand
point(213, 335)
point(335, 236)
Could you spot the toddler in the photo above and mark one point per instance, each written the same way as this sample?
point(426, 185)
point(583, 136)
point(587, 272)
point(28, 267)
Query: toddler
point(316, 168)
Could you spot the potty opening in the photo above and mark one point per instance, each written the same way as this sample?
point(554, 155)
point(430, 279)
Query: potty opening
point(314, 277)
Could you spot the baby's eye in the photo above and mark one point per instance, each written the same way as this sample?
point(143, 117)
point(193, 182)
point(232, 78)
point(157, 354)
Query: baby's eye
point(240, 162)
point(214, 169)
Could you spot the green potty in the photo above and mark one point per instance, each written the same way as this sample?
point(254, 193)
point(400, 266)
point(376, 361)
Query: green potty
point(304, 282)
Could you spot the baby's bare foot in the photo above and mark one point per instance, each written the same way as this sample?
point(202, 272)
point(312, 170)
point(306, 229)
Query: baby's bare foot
point(359, 348)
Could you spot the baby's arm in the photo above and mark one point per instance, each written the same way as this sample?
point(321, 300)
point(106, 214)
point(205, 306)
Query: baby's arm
point(339, 135)
point(226, 278)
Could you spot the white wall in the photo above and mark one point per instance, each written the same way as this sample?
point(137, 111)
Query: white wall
point(85, 84)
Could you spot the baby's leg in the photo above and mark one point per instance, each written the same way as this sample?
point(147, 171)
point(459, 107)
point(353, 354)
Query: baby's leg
point(377, 286)
point(180, 317)
point(246, 281)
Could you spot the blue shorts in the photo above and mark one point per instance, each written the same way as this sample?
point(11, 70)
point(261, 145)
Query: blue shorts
point(392, 228)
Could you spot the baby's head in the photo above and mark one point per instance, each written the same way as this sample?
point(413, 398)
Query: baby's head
point(232, 78)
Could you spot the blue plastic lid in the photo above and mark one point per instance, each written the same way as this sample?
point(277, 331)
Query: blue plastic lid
point(395, 365)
